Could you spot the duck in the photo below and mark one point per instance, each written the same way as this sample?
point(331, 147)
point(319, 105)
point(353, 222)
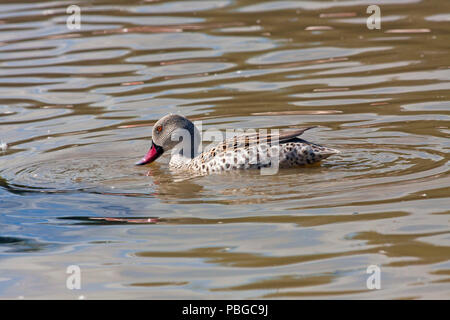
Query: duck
point(246, 151)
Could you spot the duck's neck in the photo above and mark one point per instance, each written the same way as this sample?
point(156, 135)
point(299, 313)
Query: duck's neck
point(180, 158)
point(177, 160)
point(182, 154)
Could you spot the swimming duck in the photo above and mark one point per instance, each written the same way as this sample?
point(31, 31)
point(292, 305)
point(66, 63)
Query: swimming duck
point(241, 152)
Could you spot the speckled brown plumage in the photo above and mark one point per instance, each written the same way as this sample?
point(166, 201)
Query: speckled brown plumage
point(255, 152)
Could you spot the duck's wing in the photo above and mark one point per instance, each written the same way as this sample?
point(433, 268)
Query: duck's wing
point(285, 136)
point(245, 140)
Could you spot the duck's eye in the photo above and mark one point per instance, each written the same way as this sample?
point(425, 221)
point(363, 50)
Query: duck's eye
point(159, 128)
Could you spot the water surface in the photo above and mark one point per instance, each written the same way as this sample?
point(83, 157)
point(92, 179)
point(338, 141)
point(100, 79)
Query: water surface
point(76, 110)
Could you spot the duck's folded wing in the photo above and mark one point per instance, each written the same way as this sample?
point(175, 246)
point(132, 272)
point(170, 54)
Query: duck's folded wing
point(245, 140)
point(284, 136)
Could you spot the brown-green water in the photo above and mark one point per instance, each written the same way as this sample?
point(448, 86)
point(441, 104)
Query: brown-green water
point(76, 109)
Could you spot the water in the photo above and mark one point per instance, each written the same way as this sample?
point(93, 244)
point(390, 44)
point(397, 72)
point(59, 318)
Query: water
point(76, 109)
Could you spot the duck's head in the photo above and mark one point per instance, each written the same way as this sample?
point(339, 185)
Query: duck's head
point(166, 135)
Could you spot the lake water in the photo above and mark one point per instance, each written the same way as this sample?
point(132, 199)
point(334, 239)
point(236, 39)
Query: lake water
point(76, 112)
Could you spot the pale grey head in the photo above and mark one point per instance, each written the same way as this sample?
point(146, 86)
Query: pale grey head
point(167, 133)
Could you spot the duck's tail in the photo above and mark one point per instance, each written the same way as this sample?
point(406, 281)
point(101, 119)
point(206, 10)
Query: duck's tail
point(324, 152)
point(327, 152)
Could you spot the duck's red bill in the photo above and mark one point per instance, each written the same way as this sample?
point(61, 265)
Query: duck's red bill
point(153, 154)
